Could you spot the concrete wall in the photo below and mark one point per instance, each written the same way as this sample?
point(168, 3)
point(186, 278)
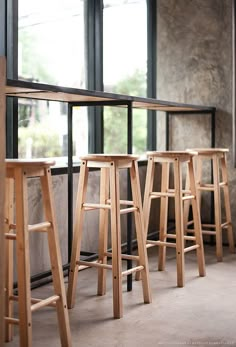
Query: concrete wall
point(195, 66)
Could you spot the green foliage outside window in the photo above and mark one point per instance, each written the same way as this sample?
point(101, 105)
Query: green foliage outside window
point(42, 140)
point(39, 140)
point(115, 118)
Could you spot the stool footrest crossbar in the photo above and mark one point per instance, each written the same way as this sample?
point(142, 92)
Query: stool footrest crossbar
point(156, 195)
point(10, 320)
point(35, 301)
point(224, 225)
point(210, 187)
point(90, 206)
point(186, 237)
point(45, 302)
point(40, 226)
point(191, 248)
point(43, 226)
point(151, 243)
point(10, 236)
point(161, 243)
point(124, 256)
point(204, 232)
point(132, 270)
point(122, 202)
point(94, 264)
point(109, 267)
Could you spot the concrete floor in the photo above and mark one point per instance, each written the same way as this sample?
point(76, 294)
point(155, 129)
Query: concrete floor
point(203, 313)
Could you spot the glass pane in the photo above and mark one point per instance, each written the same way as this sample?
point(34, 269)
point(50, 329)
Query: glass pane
point(115, 130)
point(51, 42)
point(80, 132)
point(42, 130)
point(125, 67)
point(51, 51)
point(139, 131)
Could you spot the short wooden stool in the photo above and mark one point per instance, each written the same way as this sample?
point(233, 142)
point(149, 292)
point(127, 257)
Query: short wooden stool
point(177, 159)
point(217, 157)
point(110, 166)
point(17, 172)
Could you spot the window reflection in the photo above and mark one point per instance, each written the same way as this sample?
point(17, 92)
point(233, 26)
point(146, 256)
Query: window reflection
point(125, 70)
point(51, 50)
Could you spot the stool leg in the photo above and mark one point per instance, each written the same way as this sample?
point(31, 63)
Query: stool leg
point(163, 215)
point(198, 178)
point(78, 229)
point(147, 192)
point(9, 197)
point(56, 263)
point(187, 204)
point(227, 204)
point(147, 201)
point(179, 223)
point(116, 241)
point(22, 256)
point(197, 221)
point(197, 169)
point(103, 230)
point(217, 206)
point(139, 225)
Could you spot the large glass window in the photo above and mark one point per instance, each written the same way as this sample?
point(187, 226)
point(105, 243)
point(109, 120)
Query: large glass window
point(51, 50)
point(51, 42)
point(125, 69)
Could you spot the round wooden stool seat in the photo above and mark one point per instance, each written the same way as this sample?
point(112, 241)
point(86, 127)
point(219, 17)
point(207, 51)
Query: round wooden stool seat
point(109, 157)
point(209, 151)
point(110, 201)
point(17, 228)
point(29, 163)
point(172, 154)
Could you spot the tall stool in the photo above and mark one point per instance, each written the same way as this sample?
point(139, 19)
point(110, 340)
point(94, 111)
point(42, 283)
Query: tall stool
point(177, 159)
point(217, 157)
point(110, 166)
point(17, 172)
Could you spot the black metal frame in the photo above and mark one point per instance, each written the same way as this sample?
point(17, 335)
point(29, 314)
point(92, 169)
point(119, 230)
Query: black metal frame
point(94, 59)
point(3, 25)
point(9, 30)
point(151, 71)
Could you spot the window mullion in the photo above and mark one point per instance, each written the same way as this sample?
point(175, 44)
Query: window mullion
point(11, 48)
point(151, 70)
point(94, 51)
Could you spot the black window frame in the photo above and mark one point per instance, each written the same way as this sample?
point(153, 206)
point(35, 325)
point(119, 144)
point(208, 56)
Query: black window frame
point(94, 72)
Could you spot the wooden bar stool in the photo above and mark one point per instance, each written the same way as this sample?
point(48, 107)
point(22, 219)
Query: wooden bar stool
point(177, 159)
point(110, 166)
point(17, 172)
point(217, 157)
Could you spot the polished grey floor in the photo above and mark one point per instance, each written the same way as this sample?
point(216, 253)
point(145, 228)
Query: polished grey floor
point(203, 313)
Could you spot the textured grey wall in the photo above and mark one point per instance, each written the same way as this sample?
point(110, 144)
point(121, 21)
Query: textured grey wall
point(195, 66)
